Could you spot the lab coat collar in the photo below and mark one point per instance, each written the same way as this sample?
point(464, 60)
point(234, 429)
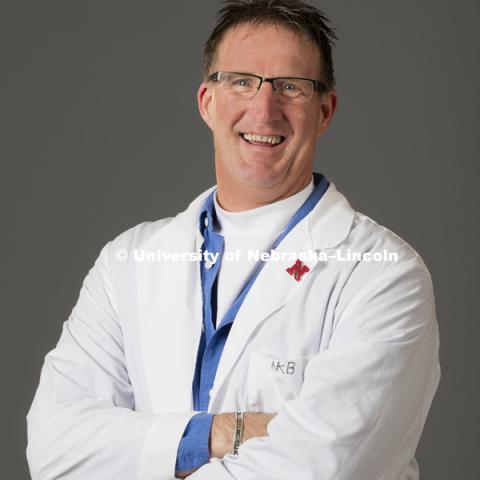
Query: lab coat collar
point(329, 222)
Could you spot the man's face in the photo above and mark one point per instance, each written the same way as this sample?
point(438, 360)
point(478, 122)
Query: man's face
point(246, 167)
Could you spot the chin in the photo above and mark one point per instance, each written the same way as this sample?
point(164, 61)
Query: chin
point(260, 177)
point(254, 171)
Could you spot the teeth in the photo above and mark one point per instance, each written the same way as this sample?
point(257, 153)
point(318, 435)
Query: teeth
point(272, 139)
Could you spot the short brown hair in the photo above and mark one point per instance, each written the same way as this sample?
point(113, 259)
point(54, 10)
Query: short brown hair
point(294, 14)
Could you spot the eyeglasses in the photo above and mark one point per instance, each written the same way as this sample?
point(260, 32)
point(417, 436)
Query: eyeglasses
point(287, 89)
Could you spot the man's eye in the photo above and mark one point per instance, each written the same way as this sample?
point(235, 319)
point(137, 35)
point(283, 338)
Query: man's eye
point(241, 82)
point(290, 87)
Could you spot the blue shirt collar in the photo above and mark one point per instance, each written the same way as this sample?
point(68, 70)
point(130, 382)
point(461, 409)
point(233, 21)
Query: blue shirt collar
point(208, 217)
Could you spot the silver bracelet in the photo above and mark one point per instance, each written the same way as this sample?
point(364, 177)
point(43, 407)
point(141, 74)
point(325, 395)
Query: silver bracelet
point(238, 436)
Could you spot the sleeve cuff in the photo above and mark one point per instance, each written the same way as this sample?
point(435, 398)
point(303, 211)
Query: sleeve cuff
point(193, 449)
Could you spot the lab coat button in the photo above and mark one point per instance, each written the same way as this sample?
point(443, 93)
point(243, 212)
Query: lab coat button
point(206, 221)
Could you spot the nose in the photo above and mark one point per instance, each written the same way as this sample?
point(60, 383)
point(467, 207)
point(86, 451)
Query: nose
point(265, 106)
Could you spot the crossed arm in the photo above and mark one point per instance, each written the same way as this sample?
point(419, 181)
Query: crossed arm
point(361, 407)
point(83, 421)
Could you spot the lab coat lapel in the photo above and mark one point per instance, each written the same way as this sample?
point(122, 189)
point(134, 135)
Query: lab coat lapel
point(170, 313)
point(327, 225)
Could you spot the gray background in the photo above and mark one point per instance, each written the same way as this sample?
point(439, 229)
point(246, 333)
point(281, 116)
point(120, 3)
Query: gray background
point(102, 132)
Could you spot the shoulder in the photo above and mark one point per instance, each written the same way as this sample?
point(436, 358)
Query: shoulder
point(140, 234)
point(378, 244)
point(381, 268)
point(361, 252)
point(156, 234)
point(369, 235)
point(337, 226)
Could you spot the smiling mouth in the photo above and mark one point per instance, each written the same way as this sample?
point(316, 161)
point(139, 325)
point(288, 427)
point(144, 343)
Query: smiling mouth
point(263, 140)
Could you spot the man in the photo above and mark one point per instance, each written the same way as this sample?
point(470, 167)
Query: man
point(315, 363)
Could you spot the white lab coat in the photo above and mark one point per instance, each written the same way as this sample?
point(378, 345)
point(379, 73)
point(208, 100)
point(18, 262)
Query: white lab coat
point(347, 356)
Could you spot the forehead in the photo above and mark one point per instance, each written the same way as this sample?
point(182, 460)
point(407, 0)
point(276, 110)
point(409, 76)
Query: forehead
point(268, 50)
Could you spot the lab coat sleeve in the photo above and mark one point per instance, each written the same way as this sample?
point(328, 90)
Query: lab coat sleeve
point(364, 400)
point(82, 423)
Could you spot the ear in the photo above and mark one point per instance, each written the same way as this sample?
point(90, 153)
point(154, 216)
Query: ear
point(328, 105)
point(205, 103)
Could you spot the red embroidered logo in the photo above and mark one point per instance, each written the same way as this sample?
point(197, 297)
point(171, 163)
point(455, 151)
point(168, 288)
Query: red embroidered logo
point(297, 270)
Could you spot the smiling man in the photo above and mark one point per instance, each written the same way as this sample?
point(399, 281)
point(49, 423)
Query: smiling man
point(311, 364)
point(265, 125)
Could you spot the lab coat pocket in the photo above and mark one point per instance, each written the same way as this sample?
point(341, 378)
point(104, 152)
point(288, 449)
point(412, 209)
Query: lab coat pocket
point(273, 381)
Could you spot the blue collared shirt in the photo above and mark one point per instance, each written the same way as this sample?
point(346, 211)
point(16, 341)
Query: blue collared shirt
point(193, 449)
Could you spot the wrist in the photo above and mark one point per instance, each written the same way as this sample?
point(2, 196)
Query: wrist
point(223, 427)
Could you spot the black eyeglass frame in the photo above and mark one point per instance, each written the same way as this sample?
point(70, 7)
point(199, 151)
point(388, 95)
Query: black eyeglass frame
point(318, 85)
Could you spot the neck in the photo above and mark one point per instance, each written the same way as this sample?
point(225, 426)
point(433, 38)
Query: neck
point(238, 198)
